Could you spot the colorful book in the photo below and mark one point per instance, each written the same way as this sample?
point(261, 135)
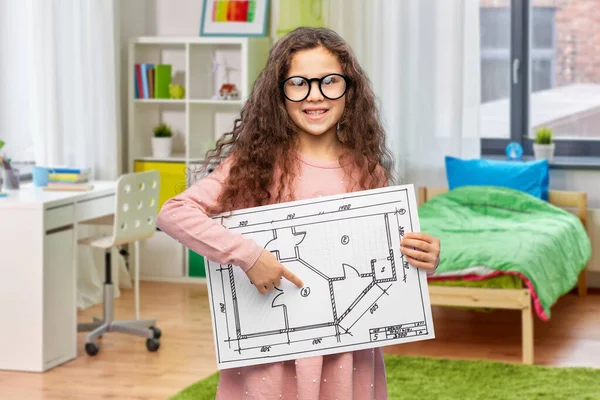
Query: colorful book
point(137, 87)
point(68, 178)
point(151, 82)
point(61, 186)
point(67, 170)
point(138, 81)
point(145, 80)
point(162, 80)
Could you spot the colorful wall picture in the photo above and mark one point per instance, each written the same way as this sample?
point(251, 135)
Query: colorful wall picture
point(234, 18)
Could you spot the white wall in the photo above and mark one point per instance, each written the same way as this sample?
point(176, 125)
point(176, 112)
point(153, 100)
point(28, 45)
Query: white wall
point(182, 17)
point(152, 18)
point(137, 18)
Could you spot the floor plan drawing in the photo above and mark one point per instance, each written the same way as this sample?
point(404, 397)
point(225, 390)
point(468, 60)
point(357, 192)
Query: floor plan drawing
point(358, 291)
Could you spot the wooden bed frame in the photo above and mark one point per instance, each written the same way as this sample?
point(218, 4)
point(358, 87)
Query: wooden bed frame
point(514, 299)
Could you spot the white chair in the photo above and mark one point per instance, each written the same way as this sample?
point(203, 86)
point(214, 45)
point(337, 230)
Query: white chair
point(134, 220)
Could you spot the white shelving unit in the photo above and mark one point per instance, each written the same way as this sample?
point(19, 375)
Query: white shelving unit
point(198, 118)
point(201, 65)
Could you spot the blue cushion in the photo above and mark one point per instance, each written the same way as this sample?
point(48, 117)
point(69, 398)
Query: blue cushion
point(531, 177)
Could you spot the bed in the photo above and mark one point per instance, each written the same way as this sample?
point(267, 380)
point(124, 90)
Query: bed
point(506, 285)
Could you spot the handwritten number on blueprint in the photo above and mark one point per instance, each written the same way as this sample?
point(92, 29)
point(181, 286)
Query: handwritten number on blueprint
point(373, 308)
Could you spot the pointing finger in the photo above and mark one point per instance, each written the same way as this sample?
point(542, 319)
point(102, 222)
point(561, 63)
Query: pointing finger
point(292, 278)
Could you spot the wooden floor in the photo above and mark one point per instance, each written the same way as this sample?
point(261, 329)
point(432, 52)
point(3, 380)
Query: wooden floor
point(124, 369)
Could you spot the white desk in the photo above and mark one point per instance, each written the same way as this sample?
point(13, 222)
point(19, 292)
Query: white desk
point(38, 280)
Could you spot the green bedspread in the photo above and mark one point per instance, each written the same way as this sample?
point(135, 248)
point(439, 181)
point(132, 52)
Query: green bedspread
point(511, 232)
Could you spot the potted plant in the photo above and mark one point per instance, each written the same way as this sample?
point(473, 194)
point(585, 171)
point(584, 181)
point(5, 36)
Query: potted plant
point(543, 147)
point(162, 142)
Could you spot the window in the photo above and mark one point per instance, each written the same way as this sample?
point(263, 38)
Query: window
point(539, 67)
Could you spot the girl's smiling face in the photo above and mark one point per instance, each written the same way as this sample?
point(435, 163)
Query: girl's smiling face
point(316, 115)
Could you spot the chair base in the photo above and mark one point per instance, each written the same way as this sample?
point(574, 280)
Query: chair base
point(140, 327)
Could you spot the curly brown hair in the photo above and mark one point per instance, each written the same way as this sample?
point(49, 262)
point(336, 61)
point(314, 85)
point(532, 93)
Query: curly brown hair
point(264, 136)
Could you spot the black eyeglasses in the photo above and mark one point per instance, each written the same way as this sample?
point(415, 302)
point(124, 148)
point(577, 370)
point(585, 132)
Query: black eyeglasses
point(297, 88)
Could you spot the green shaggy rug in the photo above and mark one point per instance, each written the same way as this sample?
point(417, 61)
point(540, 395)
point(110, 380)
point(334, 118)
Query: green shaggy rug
point(429, 378)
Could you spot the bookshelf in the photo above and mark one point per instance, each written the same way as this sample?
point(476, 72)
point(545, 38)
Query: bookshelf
point(201, 65)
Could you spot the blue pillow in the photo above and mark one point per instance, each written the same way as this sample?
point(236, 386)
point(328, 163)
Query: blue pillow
point(531, 177)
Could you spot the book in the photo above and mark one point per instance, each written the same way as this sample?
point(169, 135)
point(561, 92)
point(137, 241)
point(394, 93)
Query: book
point(137, 87)
point(67, 170)
point(145, 80)
point(66, 177)
point(60, 186)
point(151, 82)
point(162, 80)
point(138, 81)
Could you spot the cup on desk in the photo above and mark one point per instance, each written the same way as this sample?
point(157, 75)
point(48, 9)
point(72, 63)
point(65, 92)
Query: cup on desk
point(41, 176)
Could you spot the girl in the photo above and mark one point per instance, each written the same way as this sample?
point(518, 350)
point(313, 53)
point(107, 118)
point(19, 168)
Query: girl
point(309, 128)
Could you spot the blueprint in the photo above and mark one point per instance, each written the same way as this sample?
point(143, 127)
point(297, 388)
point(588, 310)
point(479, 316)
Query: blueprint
point(358, 291)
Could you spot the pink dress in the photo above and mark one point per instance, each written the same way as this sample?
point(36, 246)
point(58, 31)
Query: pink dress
point(356, 375)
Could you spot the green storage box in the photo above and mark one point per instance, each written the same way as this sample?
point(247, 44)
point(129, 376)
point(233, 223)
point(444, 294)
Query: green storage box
point(196, 265)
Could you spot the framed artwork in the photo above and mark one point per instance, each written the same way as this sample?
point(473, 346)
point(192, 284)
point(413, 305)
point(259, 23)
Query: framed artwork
point(234, 18)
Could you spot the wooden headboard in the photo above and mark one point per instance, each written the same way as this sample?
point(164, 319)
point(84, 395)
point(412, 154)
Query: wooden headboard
point(559, 198)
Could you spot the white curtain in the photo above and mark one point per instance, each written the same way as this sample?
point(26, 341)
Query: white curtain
point(62, 65)
point(74, 84)
point(422, 57)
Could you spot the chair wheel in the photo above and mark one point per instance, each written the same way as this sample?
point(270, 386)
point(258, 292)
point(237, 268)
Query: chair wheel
point(152, 344)
point(157, 332)
point(92, 349)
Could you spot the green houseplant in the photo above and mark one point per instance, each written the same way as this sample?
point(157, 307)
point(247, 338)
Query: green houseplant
point(543, 146)
point(162, 142)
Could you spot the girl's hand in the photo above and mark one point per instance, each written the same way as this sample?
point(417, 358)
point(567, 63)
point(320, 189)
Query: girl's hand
point(421, 250)
point(266, 273)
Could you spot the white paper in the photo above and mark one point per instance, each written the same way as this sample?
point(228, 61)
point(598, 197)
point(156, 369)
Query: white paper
point(358, 291)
